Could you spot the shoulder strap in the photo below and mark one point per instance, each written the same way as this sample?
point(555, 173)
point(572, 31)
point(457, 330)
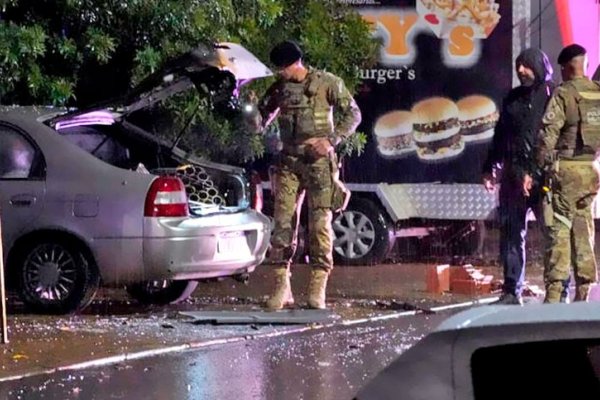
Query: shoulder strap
point(314, 81)
point(572, 91)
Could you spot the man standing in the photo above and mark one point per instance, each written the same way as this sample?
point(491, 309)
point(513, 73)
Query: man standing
point(512, 153)
point(304, 99)
point(569, 145)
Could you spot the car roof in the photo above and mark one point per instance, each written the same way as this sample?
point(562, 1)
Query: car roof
point(38, 113)
point(489, 316)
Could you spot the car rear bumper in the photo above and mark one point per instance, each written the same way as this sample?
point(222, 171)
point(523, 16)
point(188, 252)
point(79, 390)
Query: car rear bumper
point(204, 247)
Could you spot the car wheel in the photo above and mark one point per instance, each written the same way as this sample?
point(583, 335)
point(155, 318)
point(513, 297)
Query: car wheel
point(363, 235)
point(162, 292)
point(56, 277)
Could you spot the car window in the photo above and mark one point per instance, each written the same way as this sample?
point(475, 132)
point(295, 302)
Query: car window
point(556, 369)
point(99, 144)
point(16, 155)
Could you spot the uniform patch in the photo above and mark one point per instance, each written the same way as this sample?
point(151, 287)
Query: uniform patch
point(550, 115)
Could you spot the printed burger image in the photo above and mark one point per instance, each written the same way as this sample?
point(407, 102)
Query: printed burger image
point(394, 134)
point(437, 129)
point(478, 116)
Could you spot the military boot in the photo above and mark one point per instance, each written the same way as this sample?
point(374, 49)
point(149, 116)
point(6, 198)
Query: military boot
point(582, 292)
point(316, 288)
point(282, 296)
point(554, 292)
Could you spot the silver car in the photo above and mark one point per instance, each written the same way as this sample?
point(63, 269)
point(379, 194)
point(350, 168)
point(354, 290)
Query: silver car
point(87, 197)
point(540, 351)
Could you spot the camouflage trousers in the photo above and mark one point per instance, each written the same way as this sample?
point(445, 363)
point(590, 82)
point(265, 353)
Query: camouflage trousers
point(571, 230)
point(291, 176)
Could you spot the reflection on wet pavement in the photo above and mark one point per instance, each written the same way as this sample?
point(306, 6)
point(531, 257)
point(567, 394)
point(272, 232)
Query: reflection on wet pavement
point(323, 364)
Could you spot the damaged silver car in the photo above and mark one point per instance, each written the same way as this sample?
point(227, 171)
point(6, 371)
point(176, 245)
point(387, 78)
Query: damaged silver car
point(89, 198)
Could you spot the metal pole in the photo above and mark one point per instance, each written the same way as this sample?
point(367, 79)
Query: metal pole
point(4, 321)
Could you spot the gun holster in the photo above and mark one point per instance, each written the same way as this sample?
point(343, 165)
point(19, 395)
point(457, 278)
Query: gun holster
point(547, 189)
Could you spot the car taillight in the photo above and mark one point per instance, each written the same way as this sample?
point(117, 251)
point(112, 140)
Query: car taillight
point(166, 198)
point(257, 191)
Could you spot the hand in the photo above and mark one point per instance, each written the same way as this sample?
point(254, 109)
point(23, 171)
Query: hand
point(251, 97)
point(527, 184)
point(320, 147)
point(489, 182)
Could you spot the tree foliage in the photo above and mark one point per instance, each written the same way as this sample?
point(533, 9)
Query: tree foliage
point(78, 52)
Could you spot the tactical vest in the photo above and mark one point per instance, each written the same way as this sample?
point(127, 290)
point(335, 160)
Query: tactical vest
point(580, 137)
point(304, 109)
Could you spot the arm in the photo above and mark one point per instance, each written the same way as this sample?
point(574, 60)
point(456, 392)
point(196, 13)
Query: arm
point(266, 110)
point(552, 124)
point(498, 149)
point(345, 106)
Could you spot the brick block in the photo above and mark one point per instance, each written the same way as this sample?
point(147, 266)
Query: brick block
point(471, 287)
point(438, 278)
point(463, 272)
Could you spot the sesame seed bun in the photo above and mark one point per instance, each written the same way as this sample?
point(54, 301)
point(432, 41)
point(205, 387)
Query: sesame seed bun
point(394, 123)
point(437, 129)
point(478, 116)
point(393, 133)
point(434, 109)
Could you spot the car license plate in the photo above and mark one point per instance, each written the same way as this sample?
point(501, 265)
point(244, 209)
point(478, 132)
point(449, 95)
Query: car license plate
point(233, 244)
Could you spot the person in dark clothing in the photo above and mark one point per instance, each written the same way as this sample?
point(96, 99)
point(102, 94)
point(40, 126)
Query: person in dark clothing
point(511, 156)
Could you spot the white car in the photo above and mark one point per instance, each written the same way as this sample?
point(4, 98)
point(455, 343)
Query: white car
point(540, 351)
point(88, 197)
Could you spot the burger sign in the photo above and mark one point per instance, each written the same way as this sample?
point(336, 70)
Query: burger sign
point(431, 103)
point(437, 128)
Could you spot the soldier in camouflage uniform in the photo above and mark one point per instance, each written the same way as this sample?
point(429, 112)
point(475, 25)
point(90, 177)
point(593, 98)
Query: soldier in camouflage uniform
point(304, 99)
point(568, 144)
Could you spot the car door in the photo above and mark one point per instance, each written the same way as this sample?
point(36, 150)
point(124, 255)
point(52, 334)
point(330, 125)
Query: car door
point(22, 183)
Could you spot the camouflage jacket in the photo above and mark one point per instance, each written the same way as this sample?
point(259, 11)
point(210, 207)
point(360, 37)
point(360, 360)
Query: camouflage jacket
point(560, 134)
point(305, 109)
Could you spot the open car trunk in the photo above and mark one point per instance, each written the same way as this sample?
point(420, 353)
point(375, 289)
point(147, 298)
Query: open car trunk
point(107, 131)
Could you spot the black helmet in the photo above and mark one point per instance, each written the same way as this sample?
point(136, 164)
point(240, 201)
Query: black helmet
point(570, 52)
point(285, 54)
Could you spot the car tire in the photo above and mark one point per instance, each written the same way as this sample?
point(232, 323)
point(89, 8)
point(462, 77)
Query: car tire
point(471, 236)
point(162, 292)
point(363, 234)
point(56, 277)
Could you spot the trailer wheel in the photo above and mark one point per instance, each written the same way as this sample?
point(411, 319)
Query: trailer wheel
point(363, 235)
point(455, 239)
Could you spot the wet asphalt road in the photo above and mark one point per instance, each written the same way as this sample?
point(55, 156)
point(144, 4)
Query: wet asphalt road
point(324, 364)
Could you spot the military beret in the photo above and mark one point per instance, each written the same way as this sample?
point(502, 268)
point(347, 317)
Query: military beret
point(570, 52)
point(285, 54)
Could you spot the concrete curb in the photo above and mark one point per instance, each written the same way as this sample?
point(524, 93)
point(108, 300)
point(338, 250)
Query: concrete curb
point(120, 358)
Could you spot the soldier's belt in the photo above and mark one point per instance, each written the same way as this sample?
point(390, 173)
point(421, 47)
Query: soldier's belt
point(575, 162)
point(570, 153)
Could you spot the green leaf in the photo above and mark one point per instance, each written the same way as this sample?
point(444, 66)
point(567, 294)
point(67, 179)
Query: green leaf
point(67, 48)
point(60, 91)
point(100, 45)
point(32, 41)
